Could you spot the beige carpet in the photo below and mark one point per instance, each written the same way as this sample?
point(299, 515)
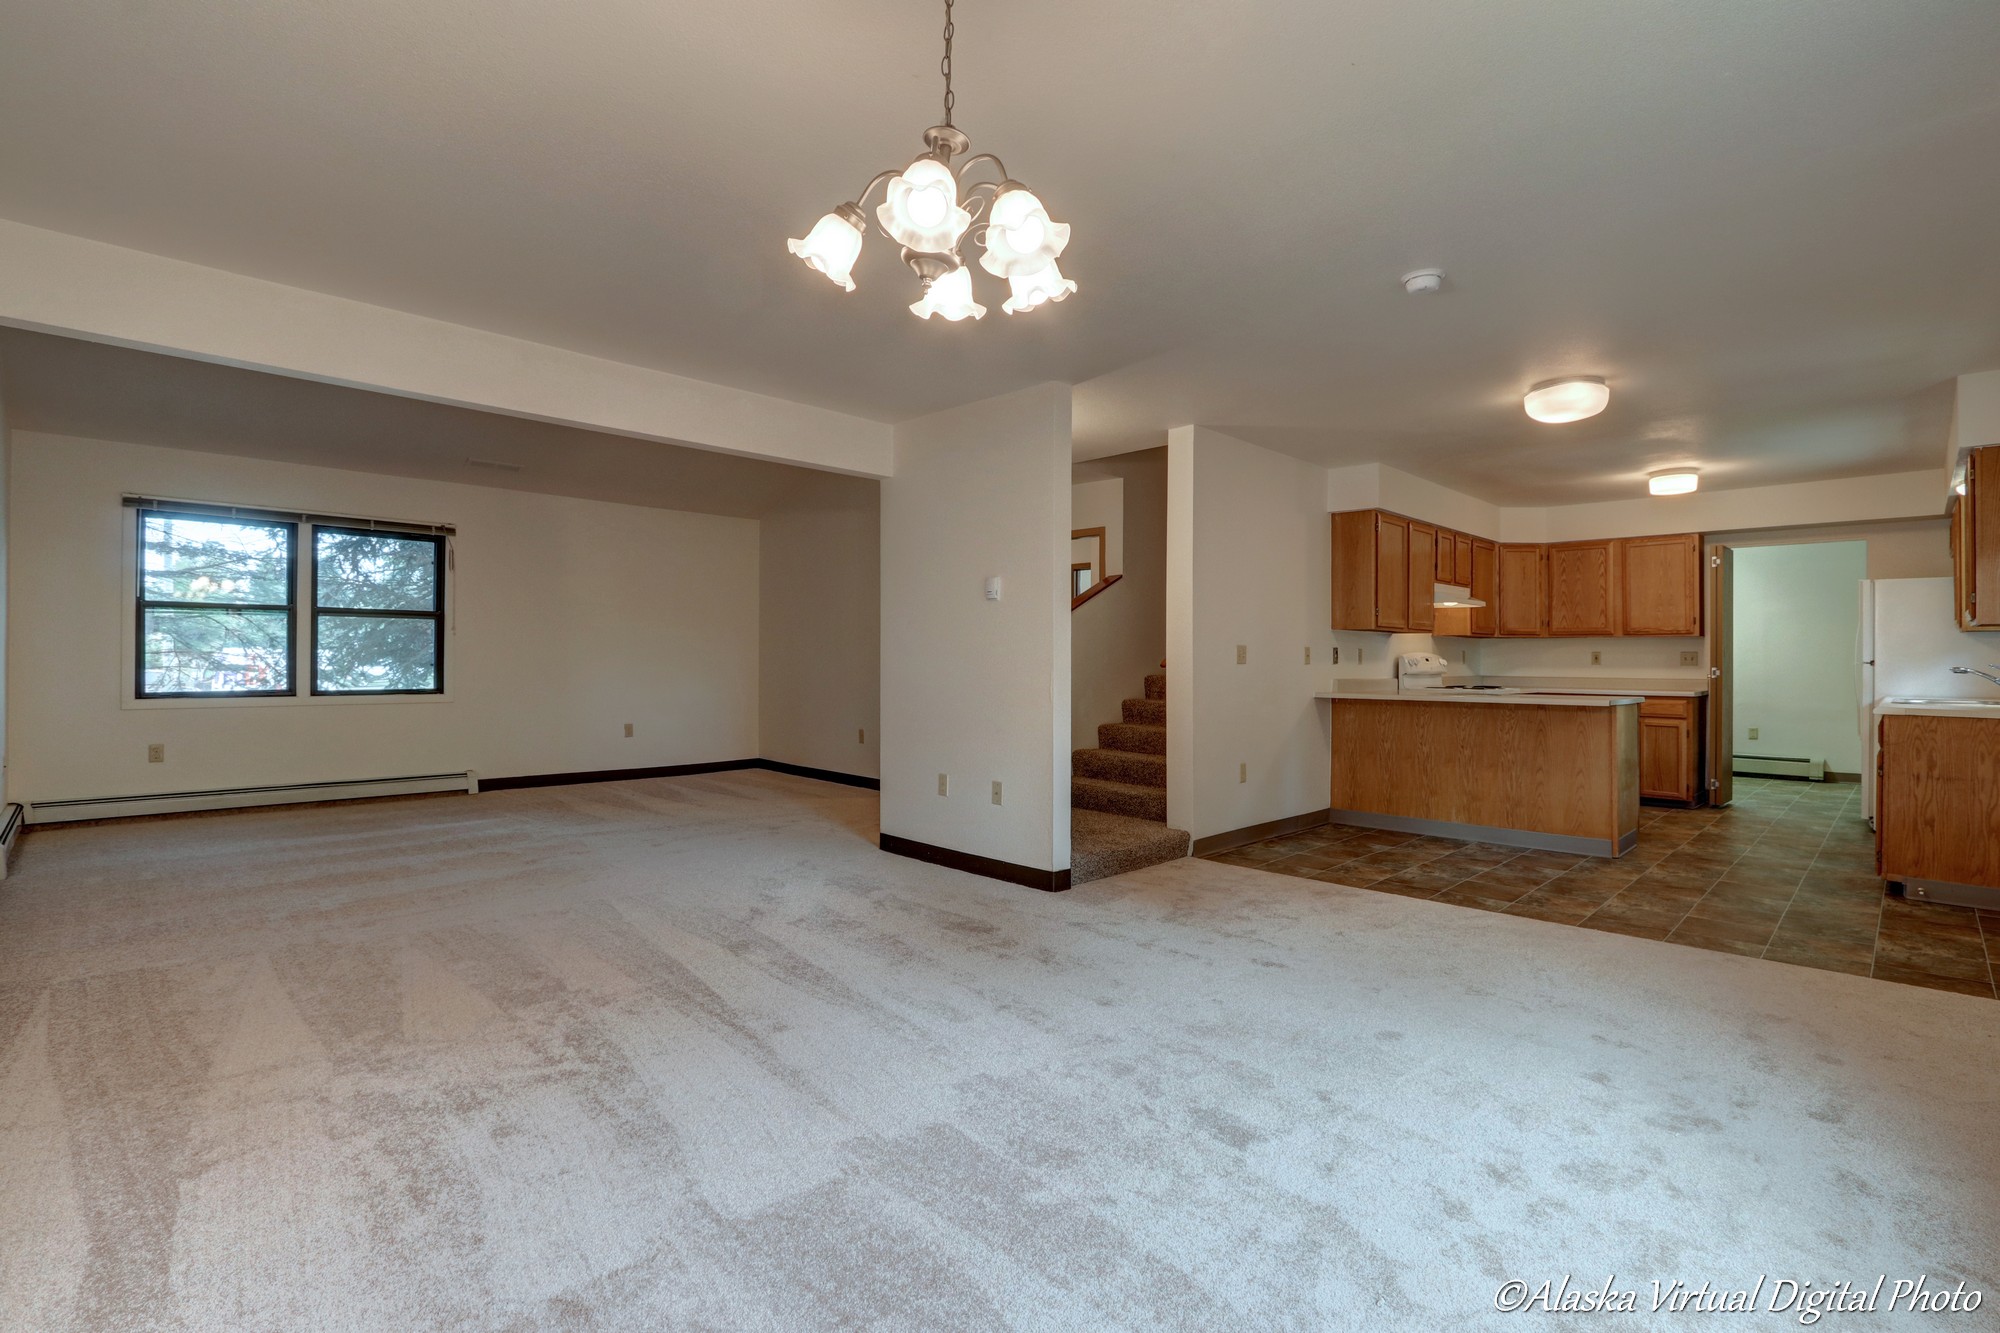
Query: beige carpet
point(693, 1054)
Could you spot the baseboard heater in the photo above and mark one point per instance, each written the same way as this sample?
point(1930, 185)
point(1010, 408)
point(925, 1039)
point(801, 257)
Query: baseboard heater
point(1769, 766)
point(231, 798)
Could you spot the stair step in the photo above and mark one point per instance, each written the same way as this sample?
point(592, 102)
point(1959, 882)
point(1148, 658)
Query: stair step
point(1141, 770)
point(1156, 685)
point(1119, 798)
point(1104, 844)
point(1132, 736)
point(1152, 712)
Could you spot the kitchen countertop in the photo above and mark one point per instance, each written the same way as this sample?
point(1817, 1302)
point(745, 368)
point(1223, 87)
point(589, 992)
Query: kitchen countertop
point(1569, 700)
point(1650, 694)
point(1937, 708)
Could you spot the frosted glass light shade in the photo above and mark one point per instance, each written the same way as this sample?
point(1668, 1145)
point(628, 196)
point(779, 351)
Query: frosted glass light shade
point(951, 297)
point(1038, 288)
point(831, 247)
point(1020, 238)
point(1557, 401)
point(1673, 483)
point(922, 209)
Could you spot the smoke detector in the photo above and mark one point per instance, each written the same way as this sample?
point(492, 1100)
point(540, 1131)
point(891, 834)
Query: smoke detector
point(1424, 281)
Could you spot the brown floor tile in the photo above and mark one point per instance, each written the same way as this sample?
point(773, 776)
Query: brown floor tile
point(1475, 857)
point(1306, 862)
point(1513, 875)
point(1766, 875)
point(1428, 878)
point(1717, 941)
point(1484, 891)
point(1909, 976)
point(1551, 904)
point(1827, 956)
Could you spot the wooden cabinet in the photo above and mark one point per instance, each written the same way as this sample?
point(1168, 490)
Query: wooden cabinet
point(1520, 588)
point(1485, 576)
point(1975, 541)
point(1659, 585)
point(1583, 589)
point(1670, 735)
point(1384, 566)
point(1937, 788)
point(1371, 571)
point(1421, 616)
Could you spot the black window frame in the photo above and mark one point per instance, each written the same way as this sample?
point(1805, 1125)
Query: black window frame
point(143, 604)
point(439, 543)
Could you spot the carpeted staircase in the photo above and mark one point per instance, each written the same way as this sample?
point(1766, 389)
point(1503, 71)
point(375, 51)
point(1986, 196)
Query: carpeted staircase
point(1118, 794)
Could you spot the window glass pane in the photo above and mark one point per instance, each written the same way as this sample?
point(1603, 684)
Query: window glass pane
point(377, 653)
point(215, 560)
point(371, 572)
point(217, 651)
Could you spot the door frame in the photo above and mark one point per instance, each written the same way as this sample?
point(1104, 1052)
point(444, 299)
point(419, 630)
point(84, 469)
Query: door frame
point(1719, 568)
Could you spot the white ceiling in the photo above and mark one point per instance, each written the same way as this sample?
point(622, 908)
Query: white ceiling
point(1769, 224)
point(62, 386)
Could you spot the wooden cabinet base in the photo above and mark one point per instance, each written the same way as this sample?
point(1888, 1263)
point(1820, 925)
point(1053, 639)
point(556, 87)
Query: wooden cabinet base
point(1937, 815)
point(1526, 775)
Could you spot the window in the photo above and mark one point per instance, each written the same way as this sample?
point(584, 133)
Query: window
point(219, 591)
point(215, 606)
point(378, 612)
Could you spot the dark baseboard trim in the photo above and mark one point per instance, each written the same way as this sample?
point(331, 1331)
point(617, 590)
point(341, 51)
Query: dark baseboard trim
point(822, 774)
point(1048, 881)
point(10, 835)
point(1242, 837)
point(677, 771)
point(1832, 776)
point(614, 775)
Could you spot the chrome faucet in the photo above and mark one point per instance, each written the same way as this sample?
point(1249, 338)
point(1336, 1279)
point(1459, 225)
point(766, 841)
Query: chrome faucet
point(1975, 671)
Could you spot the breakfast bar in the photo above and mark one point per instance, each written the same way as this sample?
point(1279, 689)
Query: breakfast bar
point(1553, 771)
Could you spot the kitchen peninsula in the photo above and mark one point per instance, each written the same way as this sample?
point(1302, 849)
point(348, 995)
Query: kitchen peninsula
point(1553, 771)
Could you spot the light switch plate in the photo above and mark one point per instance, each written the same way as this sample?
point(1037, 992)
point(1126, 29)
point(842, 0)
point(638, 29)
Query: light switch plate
point(996, 791)
point(1753, 733)
point(1243, 772)
point(156, 754)
point(1242, 653)
point(1336, 654)
point(1309, 656)
point(944, 785)
point(628, 730)
point(1596, 658)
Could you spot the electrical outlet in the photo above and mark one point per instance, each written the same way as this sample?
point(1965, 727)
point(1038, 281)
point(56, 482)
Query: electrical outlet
point(1309, 656)
point(996, 791)
point(1360, 656)
point(1336, 654)
point(1753, 733)
point(156, 754)
point(1691, 659)
point(1463, 658)
point(1596, 659)
point(1243, 772)
point(628, 730)
point(944, 785)
point(1242, 653)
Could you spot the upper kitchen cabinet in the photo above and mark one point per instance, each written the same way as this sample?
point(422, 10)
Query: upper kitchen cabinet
point(1975, 541)
point(1659, 585)
point(1372, 571)
point(1422, 615)
point(1583, 589)
point(1485, 583)
point(1521, 591)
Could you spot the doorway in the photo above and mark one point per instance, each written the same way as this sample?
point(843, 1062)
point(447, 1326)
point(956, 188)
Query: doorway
point(1794, 615)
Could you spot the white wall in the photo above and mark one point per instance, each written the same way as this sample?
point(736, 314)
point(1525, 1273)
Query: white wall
point(1797, 611)
point(1900, 495)
point(6, 490)
point(1249, 562)
point(1975, 419)
point(978, 689)
point(570, 618)
point(1913, 549)
point(1118, 637)
point(820, 618)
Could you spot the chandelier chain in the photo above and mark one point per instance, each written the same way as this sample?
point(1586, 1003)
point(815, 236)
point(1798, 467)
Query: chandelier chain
point(944, 66)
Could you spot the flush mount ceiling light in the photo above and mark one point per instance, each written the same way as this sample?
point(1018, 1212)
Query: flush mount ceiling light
point(1680, 482)
point(929, 210)
point(1571, 399)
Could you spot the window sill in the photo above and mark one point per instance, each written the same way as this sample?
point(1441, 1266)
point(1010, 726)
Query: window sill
point(286, 701)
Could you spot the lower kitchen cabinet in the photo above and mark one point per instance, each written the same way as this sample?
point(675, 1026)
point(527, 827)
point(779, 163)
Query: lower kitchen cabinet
point(1937, 794)
point(1670, 744)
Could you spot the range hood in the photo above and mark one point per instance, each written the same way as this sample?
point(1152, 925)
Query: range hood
point(1452, 595)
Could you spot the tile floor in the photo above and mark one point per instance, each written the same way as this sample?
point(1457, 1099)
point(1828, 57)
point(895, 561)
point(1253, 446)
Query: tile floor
point(1787, 872)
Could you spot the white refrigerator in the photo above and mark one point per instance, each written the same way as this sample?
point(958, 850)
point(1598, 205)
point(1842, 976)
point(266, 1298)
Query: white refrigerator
point(1910, 641)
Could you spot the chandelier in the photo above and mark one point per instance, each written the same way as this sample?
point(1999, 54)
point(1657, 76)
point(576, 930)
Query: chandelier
point(930, 211)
